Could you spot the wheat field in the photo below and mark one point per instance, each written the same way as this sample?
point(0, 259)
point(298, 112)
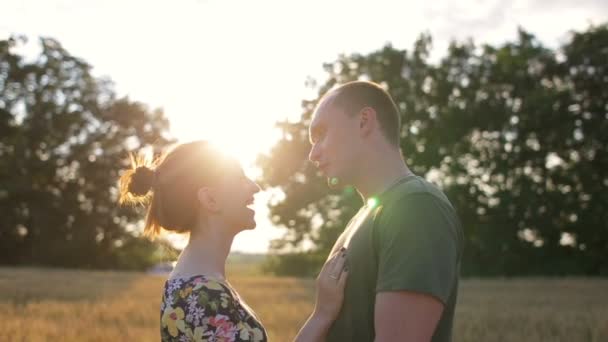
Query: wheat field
point(70, 305)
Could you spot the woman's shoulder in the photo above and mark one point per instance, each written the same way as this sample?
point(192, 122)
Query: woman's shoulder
point(195, 287)
point(194, 302)
point(196, 282)
point(200, 304)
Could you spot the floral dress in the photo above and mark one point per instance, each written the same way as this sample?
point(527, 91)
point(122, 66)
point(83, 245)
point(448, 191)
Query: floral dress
point(201, 308)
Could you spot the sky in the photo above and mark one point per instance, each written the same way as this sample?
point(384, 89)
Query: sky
point(226, 71)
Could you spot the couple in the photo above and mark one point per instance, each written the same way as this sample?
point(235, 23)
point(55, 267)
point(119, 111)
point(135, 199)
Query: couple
point(392, 274)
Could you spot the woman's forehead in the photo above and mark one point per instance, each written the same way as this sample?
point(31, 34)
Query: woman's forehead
point(231, 166)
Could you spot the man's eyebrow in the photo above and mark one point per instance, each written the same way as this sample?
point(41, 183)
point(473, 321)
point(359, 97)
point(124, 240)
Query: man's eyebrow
point(315, 129)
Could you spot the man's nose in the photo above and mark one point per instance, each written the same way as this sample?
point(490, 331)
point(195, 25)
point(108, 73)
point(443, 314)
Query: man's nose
point(314, 154)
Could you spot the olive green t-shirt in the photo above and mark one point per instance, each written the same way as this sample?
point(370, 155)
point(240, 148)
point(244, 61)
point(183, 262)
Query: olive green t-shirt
point(410, 240)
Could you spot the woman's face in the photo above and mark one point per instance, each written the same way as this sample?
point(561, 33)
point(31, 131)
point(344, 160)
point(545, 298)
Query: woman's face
point(235, 199)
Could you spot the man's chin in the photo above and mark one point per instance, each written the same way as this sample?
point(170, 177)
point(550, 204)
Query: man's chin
point(333, 182)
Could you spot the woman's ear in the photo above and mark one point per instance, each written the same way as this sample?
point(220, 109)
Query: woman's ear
point(208, 200)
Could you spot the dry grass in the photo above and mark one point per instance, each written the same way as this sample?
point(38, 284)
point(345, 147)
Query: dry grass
point(64, 305)
point(536, 309)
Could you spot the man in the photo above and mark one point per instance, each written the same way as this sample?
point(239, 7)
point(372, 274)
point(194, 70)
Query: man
point(404, 245)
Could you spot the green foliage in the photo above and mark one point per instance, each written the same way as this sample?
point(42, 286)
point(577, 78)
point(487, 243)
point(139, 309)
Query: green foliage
point(138, 253)
point(294, 264)
point(515, 135)
point(64, 137)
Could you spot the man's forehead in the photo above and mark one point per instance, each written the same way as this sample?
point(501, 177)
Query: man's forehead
point(324, 109)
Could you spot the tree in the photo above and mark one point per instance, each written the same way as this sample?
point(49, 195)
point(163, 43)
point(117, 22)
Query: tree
point(514, 134)
point(64, 137)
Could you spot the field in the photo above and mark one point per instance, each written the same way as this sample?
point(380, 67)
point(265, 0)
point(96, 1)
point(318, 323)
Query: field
point(68, 305)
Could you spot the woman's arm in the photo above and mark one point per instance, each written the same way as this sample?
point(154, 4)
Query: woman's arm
point(314, 330)
point(330, 295)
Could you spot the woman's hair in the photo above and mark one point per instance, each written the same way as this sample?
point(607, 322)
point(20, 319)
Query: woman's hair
point(170, 184)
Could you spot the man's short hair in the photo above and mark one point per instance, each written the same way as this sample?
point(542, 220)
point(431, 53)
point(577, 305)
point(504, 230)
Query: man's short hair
point(354, 96)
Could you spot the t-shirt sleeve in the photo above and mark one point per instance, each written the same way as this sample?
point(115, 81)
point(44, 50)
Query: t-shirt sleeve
point(417, 248)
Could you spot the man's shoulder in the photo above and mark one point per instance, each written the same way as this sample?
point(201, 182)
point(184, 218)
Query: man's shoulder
point(416, 190)
point(408, 206)
point(418, 204)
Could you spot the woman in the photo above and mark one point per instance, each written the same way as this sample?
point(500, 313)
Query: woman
point(195, 189)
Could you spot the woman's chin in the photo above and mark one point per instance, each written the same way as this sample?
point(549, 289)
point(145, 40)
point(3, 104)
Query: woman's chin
point(250, 224)
point(248, 220)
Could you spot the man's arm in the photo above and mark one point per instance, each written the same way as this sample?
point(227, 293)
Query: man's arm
point(406, 316)
point(417, 269)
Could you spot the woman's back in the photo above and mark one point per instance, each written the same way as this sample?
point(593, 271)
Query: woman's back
point(201, 308)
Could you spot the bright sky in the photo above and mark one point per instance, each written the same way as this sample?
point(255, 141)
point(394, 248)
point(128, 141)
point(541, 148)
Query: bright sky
point(226, 70)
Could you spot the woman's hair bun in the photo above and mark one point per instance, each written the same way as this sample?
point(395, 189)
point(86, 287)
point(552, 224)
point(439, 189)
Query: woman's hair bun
point(142, 181)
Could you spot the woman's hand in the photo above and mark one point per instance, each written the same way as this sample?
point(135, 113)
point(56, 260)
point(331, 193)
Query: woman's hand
point(330, 295)
point(330, 287)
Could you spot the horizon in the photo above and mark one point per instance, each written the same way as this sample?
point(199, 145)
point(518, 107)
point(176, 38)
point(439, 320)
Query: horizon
point(235, 61)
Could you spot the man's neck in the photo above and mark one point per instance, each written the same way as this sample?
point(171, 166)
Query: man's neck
point(380, 174)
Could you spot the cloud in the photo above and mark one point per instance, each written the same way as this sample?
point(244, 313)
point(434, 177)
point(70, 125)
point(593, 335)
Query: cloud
point(495, 22)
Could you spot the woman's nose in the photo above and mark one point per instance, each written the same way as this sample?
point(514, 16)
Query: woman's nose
point(255, 187)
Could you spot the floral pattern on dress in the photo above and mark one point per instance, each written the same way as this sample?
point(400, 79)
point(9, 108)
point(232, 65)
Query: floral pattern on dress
point(204, 309)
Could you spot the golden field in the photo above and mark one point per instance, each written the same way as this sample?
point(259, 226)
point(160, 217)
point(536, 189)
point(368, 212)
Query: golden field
point(70, 305)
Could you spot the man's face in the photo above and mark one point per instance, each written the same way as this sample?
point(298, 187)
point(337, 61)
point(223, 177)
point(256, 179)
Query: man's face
point(335, 139)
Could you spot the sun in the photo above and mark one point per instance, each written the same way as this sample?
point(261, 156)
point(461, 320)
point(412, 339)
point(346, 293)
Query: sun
point(237, 148)
point(242, 124)
point(236, 130)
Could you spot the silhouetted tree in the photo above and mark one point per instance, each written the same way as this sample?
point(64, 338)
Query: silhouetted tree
point(64, 137)
point(516, 134)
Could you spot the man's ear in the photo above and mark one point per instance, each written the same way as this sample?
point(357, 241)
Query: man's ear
point(208, 199)
point(367, 121)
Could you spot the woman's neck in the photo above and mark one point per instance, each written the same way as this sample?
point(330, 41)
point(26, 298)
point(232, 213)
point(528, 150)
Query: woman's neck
point(206, 253)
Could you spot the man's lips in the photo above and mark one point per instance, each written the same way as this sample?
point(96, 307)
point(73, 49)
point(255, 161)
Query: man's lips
point(323, 167)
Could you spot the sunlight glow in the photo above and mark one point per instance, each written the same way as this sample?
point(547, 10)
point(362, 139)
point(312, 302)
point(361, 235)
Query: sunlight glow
point(227, 71)
point(372, 202)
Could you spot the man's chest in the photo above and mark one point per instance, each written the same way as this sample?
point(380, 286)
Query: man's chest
point(358, 240)
point(356, 316)
point(357, 226)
